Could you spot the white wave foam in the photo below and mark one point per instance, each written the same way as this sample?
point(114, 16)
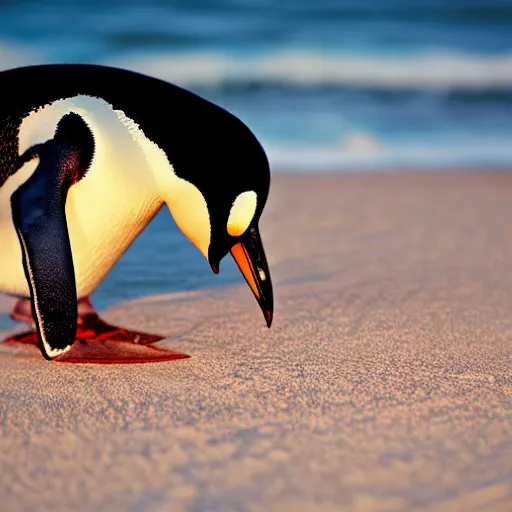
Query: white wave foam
point(431, 72)
point(345, 156)
point(440, 71)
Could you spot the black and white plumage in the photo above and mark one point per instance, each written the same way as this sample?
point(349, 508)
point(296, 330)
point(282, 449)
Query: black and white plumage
point(88, 155)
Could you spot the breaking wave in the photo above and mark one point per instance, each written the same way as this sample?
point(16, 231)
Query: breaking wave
point(427, 72)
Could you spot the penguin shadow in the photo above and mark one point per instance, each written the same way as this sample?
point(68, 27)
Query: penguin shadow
point(157, 263)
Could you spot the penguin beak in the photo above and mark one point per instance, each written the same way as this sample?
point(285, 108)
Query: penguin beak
point(252, 262)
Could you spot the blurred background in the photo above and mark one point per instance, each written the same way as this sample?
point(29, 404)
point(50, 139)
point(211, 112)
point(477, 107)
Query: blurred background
point(326, 85)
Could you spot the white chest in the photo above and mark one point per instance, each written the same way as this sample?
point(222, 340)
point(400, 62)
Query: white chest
point(105, 211)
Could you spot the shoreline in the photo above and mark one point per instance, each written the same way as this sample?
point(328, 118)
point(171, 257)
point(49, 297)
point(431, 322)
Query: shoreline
point(391, 169)
point(384, 383)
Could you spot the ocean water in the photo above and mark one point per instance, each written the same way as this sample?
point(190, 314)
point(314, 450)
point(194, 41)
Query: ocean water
point(325, 85)
point(329, 84)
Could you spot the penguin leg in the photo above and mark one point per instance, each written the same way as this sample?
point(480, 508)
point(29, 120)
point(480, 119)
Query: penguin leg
point(90, 326)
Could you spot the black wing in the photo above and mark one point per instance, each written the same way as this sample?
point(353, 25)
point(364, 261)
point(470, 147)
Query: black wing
point(38, 210)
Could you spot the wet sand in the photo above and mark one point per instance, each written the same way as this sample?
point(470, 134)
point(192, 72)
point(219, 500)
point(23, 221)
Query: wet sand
point(385, 383)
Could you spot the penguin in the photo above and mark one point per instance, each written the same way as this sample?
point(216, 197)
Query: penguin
point(88, 156)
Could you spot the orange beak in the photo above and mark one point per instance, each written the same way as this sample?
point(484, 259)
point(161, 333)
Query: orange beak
point(250, 258)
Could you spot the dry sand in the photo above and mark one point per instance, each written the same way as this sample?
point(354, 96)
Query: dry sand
point(385, 383)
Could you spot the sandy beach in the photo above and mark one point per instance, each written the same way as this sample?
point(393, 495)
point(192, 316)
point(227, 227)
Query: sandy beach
point(385, 383)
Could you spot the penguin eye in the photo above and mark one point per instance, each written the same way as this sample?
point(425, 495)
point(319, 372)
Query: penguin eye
point(242, 213)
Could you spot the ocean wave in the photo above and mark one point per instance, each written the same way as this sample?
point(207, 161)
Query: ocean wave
point(433, 72)
point(430, 72)
point(359, 152)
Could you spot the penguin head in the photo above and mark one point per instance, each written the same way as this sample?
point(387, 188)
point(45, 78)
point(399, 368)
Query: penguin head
point(217, 201)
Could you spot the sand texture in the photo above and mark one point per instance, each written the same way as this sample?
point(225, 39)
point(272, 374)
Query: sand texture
point(385, 383)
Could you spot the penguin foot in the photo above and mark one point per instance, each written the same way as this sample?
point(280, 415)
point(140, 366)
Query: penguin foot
point(98, 342)
point(116, 352)
point(92, 328)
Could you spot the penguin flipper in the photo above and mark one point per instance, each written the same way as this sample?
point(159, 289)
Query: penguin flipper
point(38, 211)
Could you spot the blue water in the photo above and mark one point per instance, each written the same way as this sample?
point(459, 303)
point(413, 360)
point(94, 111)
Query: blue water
point(328, 84)
point(324, 84)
